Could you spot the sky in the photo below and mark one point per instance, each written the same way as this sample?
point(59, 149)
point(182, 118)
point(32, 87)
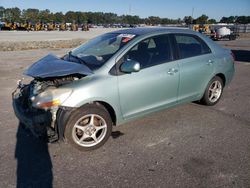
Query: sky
point(143, 8)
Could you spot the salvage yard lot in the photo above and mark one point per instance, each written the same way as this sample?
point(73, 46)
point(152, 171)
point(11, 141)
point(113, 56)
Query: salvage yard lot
point(187, 146)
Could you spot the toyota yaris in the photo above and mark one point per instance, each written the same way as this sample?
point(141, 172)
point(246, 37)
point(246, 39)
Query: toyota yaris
point(117, 77)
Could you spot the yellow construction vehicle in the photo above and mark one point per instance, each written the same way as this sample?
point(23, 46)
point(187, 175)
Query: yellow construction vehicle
point(25, 26)
point(85, 27)
point(206, 29)
point(74, 27)
point(51, 26)
point(196, 27)
point(7, 26)
point(62, 27)
point(39, 26)
point(14, 26)
point(202, 28)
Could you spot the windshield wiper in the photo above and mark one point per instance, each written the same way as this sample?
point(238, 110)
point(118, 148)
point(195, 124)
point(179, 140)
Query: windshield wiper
point(78, 58)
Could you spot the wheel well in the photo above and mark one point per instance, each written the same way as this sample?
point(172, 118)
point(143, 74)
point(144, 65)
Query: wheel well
point(63, 116)
point(110, 109)
point(222, 76)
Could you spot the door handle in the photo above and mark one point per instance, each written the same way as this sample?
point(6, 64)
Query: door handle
point(210, 62)
point(172, 71)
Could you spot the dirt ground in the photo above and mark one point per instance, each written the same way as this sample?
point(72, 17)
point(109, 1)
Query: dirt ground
point(187, 146)
point(23, 40)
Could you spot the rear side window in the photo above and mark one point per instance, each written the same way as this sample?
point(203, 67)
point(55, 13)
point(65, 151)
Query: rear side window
point(190, 46)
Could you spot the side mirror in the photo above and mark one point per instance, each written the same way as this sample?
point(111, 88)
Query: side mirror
point(130, 66)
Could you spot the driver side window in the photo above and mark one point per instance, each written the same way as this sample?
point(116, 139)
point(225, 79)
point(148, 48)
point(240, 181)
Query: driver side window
point(152, 51)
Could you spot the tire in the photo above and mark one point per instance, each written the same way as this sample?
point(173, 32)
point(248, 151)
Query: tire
point(213, 92)
point(88, 127)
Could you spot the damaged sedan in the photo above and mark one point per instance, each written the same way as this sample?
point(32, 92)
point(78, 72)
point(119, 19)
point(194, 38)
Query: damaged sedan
point(118, 77)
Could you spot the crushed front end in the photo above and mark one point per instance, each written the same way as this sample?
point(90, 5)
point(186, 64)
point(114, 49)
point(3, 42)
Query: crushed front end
point(41, 122)
point(38, 104)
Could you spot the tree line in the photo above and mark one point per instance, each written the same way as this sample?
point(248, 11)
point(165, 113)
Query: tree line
point(46, 16)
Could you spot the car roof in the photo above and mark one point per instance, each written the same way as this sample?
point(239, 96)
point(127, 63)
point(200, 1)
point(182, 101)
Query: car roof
point(150, 30)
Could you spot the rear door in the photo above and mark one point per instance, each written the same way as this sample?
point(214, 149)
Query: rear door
point(196, 66)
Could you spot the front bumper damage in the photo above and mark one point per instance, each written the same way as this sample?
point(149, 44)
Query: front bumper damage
point(40, 122)
point(50, 71)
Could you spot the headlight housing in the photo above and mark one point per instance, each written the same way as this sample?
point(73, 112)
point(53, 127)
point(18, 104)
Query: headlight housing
point(51, 97)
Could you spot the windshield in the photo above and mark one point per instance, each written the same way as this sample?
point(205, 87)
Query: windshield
point(99, 50)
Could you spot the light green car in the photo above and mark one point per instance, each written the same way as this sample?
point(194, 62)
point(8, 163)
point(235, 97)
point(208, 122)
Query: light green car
point(117, 77)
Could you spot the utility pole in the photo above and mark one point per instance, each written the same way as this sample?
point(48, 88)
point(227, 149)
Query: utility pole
point(129, 9)
point(192, 15)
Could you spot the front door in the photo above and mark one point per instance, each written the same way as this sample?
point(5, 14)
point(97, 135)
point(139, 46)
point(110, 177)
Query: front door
point(155, 86)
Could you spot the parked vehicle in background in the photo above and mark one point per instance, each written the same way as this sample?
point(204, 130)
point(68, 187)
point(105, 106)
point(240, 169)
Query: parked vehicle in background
point(8, 26)
point(224, 33)
point(118, 77)
point(216, 32)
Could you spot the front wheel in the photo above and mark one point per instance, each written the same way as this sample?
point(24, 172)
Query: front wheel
point(88, 127)
point(213, 92)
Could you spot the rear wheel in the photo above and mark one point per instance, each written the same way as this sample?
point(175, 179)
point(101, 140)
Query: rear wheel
point(88, 127)
point(213, 92)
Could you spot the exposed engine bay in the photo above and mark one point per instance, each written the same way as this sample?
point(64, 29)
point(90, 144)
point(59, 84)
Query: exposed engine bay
point(37, 104)
point(39, 85)
point(44, 121)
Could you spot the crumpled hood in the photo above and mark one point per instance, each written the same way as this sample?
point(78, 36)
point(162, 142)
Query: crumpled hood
point(52, 66)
